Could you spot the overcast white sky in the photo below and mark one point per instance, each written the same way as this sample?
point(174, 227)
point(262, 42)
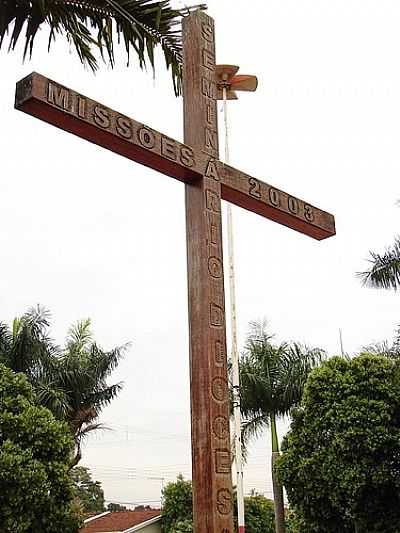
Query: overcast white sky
point(90, 234)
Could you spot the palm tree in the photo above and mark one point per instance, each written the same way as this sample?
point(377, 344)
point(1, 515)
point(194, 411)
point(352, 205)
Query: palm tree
point(385, 270)
point(142, 25)
point(74, 386)
point(387, 349)
point(70, 381)
point(26, 347)
point(272, 379)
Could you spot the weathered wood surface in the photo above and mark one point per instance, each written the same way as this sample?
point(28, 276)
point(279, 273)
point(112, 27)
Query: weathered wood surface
point(90, 120)
point(207, 181)
point(211, 457)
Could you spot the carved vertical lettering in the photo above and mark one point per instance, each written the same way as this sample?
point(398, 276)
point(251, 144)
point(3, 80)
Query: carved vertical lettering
point(187, 156)
point(210, 405)
point(215, 267)
point(208, 59)
point(211, 139)
point(219, 354)
point(219, 390)
point(221, 427)
point(213, 230)
point(213, 202)
point(208, 33)
point(224, 501)
point(216, 316)
point(212, 171)
point(222, 461)
point(210, 116)
point(209, 88)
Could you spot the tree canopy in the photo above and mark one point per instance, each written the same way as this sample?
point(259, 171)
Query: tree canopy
point(141, 25)
point(259, 514)
point(35, 488)
point(177, 505)
point(272, 379)
point(116, 508)
point(341, 461)
point(89, 492)
point(384, 272)
point(71, 381)
point(178, 510)
point(386, 348)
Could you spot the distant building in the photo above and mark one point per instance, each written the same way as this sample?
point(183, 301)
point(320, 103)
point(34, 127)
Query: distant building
point(147, 521)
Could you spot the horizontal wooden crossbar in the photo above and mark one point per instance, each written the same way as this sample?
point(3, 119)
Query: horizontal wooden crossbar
point(90, 120)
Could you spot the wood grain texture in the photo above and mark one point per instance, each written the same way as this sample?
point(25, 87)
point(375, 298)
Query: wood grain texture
point(97, 123)
point(211, 462)
point(90, 120)
point(207, 181)
point(272, 203)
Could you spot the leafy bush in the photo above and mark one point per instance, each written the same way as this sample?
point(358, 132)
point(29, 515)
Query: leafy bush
point(89, 492)
point(259, 514)
point(178, 510)
point(341, 461)
point(177, 506)
point(35, 488)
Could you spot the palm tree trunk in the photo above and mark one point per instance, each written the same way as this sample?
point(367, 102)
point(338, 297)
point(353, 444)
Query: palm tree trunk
point(76, 456)
point(277, 487)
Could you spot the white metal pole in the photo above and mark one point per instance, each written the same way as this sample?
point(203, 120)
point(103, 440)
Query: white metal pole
point(234, 350)
point(341, 342)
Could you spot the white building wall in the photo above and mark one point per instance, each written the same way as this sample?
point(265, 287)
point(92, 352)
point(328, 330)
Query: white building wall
point(152, 528)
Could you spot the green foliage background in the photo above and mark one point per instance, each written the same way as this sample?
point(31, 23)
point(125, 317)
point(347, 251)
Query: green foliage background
point(259, 514)
point(140, 25)
point(71, 381)
point(89, 492)
point(178, 510)
point(341, 462)
point(35, 488)
point(177, 507)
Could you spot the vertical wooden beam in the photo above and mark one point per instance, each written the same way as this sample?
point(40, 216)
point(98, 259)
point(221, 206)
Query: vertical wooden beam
point(211, 458)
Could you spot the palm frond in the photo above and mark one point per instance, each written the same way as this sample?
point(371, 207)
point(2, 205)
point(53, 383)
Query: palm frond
point(259, 370)
point(71, 382)
point(30, 345)
point(258, 333)
point(53, 397)
point(251, 430)
point(16, 327)
point(385, 270)
point(79, 436)
point(273, 376)
point(295, 366)
point(256, 393)
point(395, 353)
point(79, 336)
point(385, 348)
point(142, 25)
point(6, 338)
point(38, 318)
point(90, 428)
point(103, 363)
point(102, 397)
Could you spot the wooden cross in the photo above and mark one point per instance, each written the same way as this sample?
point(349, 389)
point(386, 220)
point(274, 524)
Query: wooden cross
point(207, 181)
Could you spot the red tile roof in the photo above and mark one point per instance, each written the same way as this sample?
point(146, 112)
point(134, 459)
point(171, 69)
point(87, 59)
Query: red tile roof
point(119, 521)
